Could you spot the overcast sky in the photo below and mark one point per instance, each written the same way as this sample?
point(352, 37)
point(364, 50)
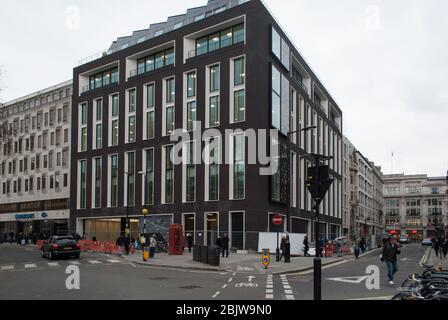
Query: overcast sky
point(384, 62)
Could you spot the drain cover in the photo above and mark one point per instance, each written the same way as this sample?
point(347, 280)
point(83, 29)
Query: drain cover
point(190, 287)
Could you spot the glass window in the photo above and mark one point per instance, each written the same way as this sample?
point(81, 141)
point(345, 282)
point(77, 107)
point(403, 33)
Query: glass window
point(82, 185)
point(99, 109)
point(83, 139)
point(141, 66)
point(150, 96)
point(106, 78)
point(150, 64)
point(131, 179)
point(276, 103)
point(114, 76)
point(115, 105)
point(226, 38)
point(169, 120)
point(99, 136)
point(239, 167)
point(98, 170)
point(149, 177)
point(132, 129)
point(84, 113)
point(114, 181)
point(238, 33)
point(170, 90)
point(240, 105)
point(191, 115)
point(191, 174)
point(214, 111)
point(132, 101)
point(169, 175)
point(114, 132)
point(239, 71)
point(214, 78)
point(276, 43)
point(160, 60)
point(213, 42)
point(191, 84)
point(201, 46)
point(98, 80)
point(169, 57)
point(150, 125)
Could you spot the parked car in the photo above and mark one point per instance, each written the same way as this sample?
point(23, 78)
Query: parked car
point(404, 240)
point(60, 246)
point(427, 242)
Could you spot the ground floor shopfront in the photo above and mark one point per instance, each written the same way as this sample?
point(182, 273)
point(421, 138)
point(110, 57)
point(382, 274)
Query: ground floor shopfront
point(34, 224)
point(241, 226)
point(414, 234)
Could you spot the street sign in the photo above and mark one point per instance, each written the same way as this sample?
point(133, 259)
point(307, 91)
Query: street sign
point(266, 258)
point(277, 220)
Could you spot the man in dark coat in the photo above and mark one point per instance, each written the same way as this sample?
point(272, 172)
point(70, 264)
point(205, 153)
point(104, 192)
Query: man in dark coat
point(225, 246)
point(389, 255)
point(189, 242)
point(306, 247)
point(127, 244)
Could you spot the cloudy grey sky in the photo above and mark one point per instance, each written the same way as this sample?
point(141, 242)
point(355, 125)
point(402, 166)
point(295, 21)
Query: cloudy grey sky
point(383, 61)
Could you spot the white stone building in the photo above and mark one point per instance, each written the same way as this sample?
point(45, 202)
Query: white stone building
point(35, 162)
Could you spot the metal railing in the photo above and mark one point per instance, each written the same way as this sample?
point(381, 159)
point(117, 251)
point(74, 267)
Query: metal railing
point(201, 51)
point(87, 88)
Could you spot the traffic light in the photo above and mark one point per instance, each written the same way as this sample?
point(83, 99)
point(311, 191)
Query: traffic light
point(318, 183)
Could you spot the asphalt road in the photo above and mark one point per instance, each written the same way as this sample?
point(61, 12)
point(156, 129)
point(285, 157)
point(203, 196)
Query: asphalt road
point(24, 275)
point(347, 280)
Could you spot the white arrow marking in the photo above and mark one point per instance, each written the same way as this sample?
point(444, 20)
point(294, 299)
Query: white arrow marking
point(251, 278)
point(349, 279)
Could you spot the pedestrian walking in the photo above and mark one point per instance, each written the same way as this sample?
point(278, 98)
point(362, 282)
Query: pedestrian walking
point(306, 247)
point(189, 242)
point(127, 244)
point(120, 243)
point(436, 246)
point(225, 246)
point(389, 255)
point(282, 247)
point(152, 246)
point(362, 245)
point(356, 249)
point(445, 248)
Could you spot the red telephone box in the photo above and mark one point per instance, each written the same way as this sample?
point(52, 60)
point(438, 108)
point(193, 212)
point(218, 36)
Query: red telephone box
point(176, 245)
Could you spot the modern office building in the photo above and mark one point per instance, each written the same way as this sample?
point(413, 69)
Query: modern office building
point(228, 65)
point(416, 205)
point(363, 196)
point(35, 161)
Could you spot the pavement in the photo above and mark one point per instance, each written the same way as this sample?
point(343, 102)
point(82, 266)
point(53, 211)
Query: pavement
point(234, 263)
point(436, 261)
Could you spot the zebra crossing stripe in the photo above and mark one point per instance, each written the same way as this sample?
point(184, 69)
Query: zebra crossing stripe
point(30, 266)
point(74, 262)
point(94, 262)
point(7, 268)
point(53, 264)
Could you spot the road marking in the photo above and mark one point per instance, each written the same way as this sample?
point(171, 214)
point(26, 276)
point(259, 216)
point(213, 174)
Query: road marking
point(133, 265)
point(234, 274)
point(224, 286)
point(231, 279)
point(268, 286)
point(405, 259)
point(288, 292)
point(290, 297)
point(114, 261)
point(7, 268)
point(216, 294)
point(269, 290)
point(356, 280)
point(74, 262)
point(269, 296)
point(30, 266)
point(223, 273)
point(94, 262)
point(53, 264)
point(287, 286)
point(425, 256)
